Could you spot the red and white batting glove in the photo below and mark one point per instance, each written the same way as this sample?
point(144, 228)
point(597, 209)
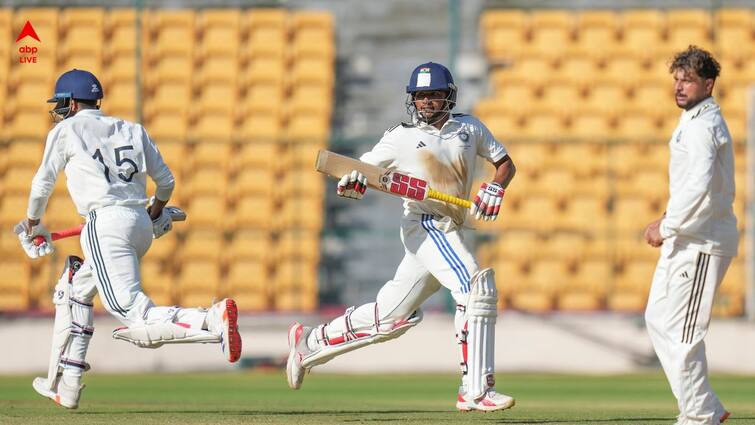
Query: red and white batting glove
point(26, 234)
point(352, 185)
point(487, 203)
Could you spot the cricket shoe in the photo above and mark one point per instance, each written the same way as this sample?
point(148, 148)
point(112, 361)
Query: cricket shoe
point(490, 402)
point(222, 320)
point(63, 394)
point(298, 349)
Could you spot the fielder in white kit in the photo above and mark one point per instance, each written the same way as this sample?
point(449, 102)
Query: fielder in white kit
point(698, 237)
point(441, 148)
point(106, 161)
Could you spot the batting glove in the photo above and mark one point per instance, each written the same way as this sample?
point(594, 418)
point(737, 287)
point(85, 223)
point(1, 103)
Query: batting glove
point(26, 235)
point(162, 224)
point(487, 203)
point(352, 185)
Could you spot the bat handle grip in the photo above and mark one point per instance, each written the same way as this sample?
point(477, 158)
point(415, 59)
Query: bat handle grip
point(73, 231)
point(434, 194)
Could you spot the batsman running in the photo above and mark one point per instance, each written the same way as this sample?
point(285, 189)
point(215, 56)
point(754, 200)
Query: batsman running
point(107, 161)
point(441, 148)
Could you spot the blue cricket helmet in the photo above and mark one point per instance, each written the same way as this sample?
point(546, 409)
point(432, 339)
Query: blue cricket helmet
point(432, 76)
point(77, 84)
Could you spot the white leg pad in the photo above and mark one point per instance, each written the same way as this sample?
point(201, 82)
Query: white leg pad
point(72, 328)
point(481, 314)
point(363, 338)
point(154, 335)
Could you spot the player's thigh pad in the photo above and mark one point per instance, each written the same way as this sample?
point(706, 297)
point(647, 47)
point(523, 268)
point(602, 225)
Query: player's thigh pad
point(481, 314)
point(358, 337)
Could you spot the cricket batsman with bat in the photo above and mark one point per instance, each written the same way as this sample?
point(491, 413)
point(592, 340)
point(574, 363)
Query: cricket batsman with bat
point(442, 149)
point(107, 161)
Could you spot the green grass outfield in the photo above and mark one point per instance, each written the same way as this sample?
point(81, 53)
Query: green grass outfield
point(264, 398)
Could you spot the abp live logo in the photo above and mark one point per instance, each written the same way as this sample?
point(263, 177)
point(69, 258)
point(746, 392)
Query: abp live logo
point(27, 53)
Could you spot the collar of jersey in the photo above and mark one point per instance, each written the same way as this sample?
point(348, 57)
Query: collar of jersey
point(431, 128)
point(695, 111)
point(89, 112)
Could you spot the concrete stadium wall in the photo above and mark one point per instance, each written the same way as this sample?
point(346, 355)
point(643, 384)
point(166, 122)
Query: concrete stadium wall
point(590, 343)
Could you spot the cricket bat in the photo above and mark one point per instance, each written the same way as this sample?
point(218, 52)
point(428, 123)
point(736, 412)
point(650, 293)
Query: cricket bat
point(383, 179)
point(176, 214)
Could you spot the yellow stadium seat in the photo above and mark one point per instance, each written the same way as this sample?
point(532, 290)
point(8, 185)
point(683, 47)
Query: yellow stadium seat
point(213, 155)
point(291, 215)
point(630, 291)
point(531, 157)
point(169, 127)
point(296, 299)
point(688, 26)
point(252, 244)
point(257, 155)
point(11, 206)
point(531, 70)
point(216, 127)
point(538, 294)
point(552, 32)
point(654, 98)
point(164, 248)
point(638, 126)
point(312, 43)
point(585, 160)
point(265, 71)
point(648, 183)
point(632, 214)
point(61, 213)
point(220, 31)
point(605, 98)
point(735, 101)
point(624, 71)
point(542, 124)
point(642, 32)
point(299, 244)
point(558, 183)
point(17, 180)
point(198, 283)
point(308, 128)
point(566, 246)
point(206, 181)
point(254, 212)
point(201, 245)
point(627, 249)
point(29, 97)
point(505, 33)
point(590, 127)
point(538, 212)
point(597, 33)
point(121, 24)
point(249, 284)
point(733, 33)
point(9, 247)
point(302, 155)
point(253, 181)
point(121, 100)
point(305, 183)
point(560, 98)
point(513, 99)
point(173, 153)
point(580, 70)
point(295, 274)
point(268, 32)
point(156, 282)
point(14, 287)
point(510, 277)
point(626, 158)
point(207, 212)
point(24, 154)
point(174, 32)
point(586, 214)
point(312, 70)
point(262, 127)
point(218, 70)
point(587, 291)
point(172, 69)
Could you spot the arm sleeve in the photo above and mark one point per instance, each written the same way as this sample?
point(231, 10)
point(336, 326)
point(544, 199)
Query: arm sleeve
point(54, 159)
point(684, 203)
point(383, 154)
point(157, 169)
point(487, 146)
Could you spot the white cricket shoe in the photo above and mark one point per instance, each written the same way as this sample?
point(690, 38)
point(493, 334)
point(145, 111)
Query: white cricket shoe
point(222, 320)
point(298, 349)
point(64, 394)
point(490, 402)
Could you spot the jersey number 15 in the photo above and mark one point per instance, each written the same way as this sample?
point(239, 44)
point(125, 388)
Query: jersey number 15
point(119, 160)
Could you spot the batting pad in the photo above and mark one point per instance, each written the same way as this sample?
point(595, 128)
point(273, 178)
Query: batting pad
point(482, 311)
point(156, 334)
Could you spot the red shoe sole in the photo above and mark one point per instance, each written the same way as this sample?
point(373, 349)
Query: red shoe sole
point(234, 338)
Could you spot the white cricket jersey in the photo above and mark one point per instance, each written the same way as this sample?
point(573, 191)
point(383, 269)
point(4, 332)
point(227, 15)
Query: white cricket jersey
point(446, 158)
point(701, 183)
point(106, 161)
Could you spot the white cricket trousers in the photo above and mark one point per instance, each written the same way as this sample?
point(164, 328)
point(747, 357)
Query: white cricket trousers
point(434, 254)
point(677, 316)
point(114, 240)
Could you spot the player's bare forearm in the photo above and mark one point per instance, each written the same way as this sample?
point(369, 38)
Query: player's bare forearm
point(504, 171)
point(156, 209)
